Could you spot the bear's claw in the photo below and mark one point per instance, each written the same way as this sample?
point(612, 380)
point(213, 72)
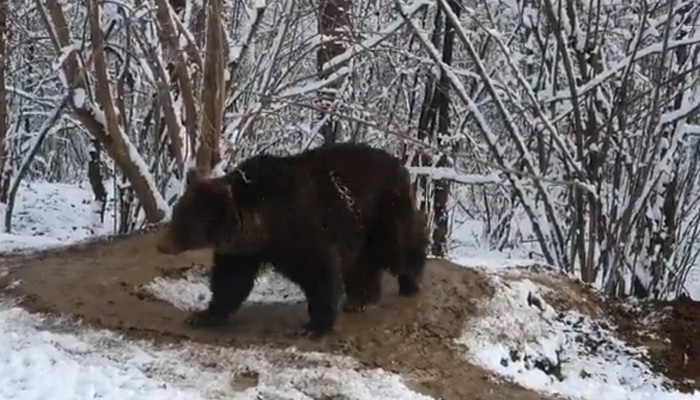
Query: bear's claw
point(205, 319)
point(310, 332)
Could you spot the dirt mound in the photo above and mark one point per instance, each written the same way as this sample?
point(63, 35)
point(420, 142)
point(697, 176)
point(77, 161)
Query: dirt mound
point(669, 330)
point(682, 327)
point(99, 283)
point(565, 293)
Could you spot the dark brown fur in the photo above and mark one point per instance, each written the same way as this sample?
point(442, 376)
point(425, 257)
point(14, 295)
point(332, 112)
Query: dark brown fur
point(328, 218)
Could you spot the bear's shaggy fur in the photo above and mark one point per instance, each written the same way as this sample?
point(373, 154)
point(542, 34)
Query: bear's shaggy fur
point(328, 219)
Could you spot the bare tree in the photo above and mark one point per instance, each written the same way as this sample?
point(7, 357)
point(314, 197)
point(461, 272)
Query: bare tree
point(597, 164)
point(434, 127)
point(4, 175)
point(99, 117)
point(334, 28)
point(213, 91)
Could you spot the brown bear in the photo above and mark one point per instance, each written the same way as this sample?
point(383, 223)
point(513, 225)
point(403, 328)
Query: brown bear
point(328, 219)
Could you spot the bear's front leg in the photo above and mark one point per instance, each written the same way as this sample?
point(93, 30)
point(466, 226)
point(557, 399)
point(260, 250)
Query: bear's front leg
point(231, 281)
point(322, 284)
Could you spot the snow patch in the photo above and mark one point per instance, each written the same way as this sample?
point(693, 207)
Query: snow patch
point(79, 97)
point(692, 283)
point(522, 338)
point(489, 260)
point(190, 292)
point(37, 362)
point(470, 246)
point(53, 214)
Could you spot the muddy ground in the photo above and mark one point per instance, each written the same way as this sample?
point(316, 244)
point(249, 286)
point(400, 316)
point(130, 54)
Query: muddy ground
point(98, 283)
point(671, 333)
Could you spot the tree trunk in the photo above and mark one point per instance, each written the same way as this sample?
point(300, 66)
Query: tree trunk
point(435, 117)
point(4, 174)
point(426, 125)
point(333, 24)
point(184, 88)
point(213, 93)
point(96, 181)
point(441, 189)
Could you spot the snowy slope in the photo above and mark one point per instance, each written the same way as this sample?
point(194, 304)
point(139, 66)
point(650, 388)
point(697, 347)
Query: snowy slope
point(521, 338)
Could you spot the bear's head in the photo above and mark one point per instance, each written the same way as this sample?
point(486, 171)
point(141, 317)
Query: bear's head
point(199, 216)
point(209, 215)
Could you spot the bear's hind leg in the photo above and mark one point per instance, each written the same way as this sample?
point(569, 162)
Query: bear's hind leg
point(321, 280)
point(409, 285)
point(231, 281)
point(363, 287)
point(413, 254)
point(353, 289)
point(403, 230)
point(408, 265)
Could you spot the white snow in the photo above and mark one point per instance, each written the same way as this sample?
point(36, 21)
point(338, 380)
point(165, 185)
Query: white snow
point(519, 336)
point(53, 214)
point(489, 260)
point(36, 363)
point(451, 174)
point(692, 283)
point(39, 363)
point(79, 97)
point(191, 291)
point(469, 245)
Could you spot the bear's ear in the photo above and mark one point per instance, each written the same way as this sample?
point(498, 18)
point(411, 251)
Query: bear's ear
point(193, 177)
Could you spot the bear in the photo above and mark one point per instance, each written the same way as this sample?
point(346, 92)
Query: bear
point(330, 219)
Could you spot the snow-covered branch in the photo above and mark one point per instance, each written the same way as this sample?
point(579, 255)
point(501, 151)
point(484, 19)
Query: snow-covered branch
point(455, 176)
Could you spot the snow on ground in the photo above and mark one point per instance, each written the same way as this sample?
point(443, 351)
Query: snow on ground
point(692, 283)
point(51, 214)
point(190, 292)
point(469, 247)
point(522, 338)
point(44, 358)
point(36, 362)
